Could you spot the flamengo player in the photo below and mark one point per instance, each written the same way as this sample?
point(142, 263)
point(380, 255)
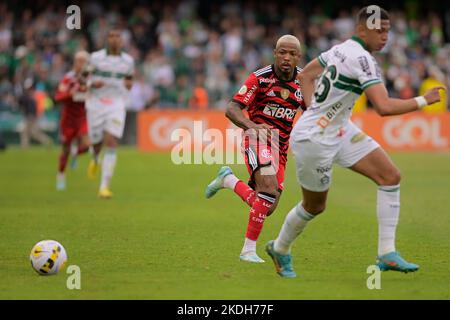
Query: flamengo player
point(326, 136)
point(272, 97)
point(72, 93)
point(111, 79)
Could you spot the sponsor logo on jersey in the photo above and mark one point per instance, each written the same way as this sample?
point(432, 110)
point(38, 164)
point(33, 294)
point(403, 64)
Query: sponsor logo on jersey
point(377, 68)
point(325, 120)
point(271, 93)
point(323, 169)
point(250, 93)
point(341, 132)
point(364, 63)
point(117, 122)
point(341, 56)
point(267, 80)
point(106, 101)
point(266, 154)
point(243, 90)
point(276, 111)
point(358, 137)
point(298, 95)
point(325, 180)
point(284, 93)
point(79, 96)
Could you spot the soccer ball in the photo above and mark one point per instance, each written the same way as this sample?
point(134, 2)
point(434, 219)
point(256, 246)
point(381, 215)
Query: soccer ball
point(48, 257)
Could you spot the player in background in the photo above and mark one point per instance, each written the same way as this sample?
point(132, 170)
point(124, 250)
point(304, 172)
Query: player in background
point(325, 136)
point(272, 98)
point(111, 78)
point(72, 93)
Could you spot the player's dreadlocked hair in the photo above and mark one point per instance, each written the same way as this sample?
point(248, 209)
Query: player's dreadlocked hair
point(364, 14)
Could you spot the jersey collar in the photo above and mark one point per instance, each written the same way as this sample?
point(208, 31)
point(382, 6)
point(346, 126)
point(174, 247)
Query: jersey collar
point(360, 41)
point(108, 52)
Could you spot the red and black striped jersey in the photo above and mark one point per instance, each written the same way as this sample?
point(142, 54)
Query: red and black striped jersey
point(272, 101)
point(73, 106)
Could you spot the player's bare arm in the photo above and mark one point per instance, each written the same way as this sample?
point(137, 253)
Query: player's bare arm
point(307, 79)
point(97, 84)
point(85, 77)
point(386, 106)
point(63, 93)
point(237, 116)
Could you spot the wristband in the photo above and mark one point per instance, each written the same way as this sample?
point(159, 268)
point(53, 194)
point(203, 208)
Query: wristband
point(421, 101)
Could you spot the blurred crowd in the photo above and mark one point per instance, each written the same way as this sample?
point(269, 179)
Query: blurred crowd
point(196, 54)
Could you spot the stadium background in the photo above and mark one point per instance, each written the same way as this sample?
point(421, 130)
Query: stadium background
point(194, 55)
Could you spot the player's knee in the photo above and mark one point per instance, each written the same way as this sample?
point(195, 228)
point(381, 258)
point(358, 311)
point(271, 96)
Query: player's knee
point(268, 185)
point(111, 142)
point(66, 148)
point(273, 206)
point(85, 142)
point(391, 178)
point(314, 208)
point(396, 177)
point(272, 209)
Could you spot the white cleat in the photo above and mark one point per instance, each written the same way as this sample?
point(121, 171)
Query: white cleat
point(60, 182)
point(217, 183)
point(250, 257)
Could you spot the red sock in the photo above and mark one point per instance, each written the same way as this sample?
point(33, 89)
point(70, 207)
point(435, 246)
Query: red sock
point(246, 193)
point(82, 150)
point(63, 162)
point(258, 213)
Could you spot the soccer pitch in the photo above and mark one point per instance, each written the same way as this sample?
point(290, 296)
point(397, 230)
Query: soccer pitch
point(159, 238)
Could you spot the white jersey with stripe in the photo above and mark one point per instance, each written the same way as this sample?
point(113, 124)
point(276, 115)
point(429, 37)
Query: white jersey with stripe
point(349, 70)
point(112, 70)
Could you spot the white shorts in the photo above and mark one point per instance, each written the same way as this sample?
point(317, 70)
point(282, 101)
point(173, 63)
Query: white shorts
point(101, 120)
point(314, 161)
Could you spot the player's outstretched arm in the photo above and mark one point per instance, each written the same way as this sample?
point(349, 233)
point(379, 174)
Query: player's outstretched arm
point(386, 106)
point(307, 78)
point(237, 116)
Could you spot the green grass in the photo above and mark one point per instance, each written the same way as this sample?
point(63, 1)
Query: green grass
point(160, 239)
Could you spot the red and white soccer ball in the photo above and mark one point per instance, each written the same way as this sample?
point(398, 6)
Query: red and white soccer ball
point(48, 257)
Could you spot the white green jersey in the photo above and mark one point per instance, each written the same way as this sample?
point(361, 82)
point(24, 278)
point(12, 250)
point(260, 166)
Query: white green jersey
point(349, 70)
point(112, 70)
